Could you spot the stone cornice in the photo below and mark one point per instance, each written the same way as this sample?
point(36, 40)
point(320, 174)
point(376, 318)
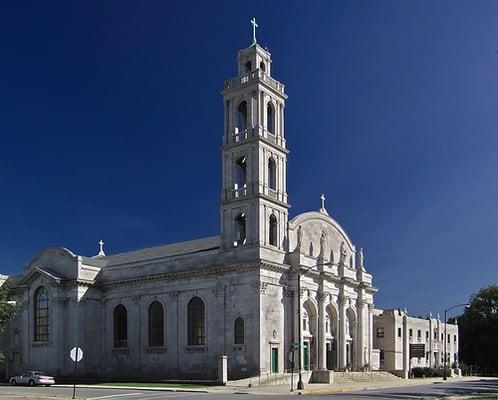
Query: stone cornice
point(191, 273)
point(275, 267)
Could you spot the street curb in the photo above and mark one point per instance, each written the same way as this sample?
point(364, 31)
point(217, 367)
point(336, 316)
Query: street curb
point(148, 388)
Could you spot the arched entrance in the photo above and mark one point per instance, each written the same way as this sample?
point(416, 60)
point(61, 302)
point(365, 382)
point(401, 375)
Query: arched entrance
point(350, 339)
point(331, 337)
point(310, 336)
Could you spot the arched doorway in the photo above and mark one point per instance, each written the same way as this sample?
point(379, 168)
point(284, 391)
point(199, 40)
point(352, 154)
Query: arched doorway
point(331, 337)
point(350, 339)
point(310, 336)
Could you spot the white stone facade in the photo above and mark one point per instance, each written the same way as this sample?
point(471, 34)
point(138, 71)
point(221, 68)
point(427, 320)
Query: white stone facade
point(246, 278)
point(395, 330)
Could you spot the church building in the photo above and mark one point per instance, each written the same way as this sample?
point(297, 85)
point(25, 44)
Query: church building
point(251, 293)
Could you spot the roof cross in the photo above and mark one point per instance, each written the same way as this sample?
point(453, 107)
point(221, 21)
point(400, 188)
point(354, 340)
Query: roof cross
point(101, 248)
point(254, 26)
point(322, 208)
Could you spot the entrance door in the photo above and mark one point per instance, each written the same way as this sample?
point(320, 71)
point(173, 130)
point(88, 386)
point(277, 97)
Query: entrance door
point(274, 360)
point(331, 355)
point(306, 356)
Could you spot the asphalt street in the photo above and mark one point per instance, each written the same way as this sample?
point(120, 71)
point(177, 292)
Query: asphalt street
point(439, 390)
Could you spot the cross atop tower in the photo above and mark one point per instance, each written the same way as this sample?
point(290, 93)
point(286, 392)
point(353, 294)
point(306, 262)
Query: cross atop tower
point(254, 26)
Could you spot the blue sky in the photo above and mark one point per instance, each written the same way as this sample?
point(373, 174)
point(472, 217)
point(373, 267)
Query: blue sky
point(111, 121)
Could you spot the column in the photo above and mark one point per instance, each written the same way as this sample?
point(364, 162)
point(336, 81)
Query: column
point(341, 348)
point(360, 351)
point(322, 345)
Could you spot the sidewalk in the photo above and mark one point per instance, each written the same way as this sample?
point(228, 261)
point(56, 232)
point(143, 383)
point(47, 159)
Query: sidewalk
point(319, 388)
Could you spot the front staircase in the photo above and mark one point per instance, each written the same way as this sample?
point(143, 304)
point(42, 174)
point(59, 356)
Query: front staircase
point(373, 376)
point(284, 378)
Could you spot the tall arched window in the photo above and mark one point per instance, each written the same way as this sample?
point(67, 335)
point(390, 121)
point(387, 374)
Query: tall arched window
point(270, 118)
point(248, 67)
point(42, 317)
point(196, 321)
point(242, 116)
point(240, 173)
point(120, 326)
point(156, 324)
point(227, 116)
point(262, 66)
point(272, 174)
point(238, 329)
point(240, 230)
point(273, 230)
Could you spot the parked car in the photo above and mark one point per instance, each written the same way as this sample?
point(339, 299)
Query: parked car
point(32, 378)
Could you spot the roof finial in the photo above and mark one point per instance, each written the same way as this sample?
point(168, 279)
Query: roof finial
point(101, 249)
point(254, 26)
point(322, 208)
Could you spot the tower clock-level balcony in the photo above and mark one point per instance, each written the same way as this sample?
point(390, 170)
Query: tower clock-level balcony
point(254, 108)
point(254, 101)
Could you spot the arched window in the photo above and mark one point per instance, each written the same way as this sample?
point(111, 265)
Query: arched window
point(227, 116)
point(156, 324)
point(262, 66)
point(270, 118)
point(272, 174)
point(273, 230)
point(120, 326)
point(42, 317)
point(248, 67)
point(240, 173)
point(196, 320)
point(238, 329)
point(242, 116)
point(240, 230)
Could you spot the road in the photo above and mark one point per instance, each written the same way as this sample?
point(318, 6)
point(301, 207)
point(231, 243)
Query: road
point(439, 390)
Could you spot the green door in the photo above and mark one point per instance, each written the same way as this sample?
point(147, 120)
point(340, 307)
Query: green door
point(306, 360)
point(274, 360)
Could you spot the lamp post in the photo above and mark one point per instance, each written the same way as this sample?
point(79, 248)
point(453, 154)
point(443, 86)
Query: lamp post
point(300, 383)
point(446, 338)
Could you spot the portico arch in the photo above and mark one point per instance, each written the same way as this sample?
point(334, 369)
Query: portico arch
point(310, 335)
point(332, 337)
point(351, 324)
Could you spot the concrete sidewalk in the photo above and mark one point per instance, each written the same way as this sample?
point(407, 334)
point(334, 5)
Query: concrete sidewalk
point(318, 388)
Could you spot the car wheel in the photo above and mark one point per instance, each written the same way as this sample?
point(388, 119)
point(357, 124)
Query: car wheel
point(13, 382)
point(31, 382)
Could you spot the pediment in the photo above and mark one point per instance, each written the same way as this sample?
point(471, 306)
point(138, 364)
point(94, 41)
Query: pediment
point(34, 273)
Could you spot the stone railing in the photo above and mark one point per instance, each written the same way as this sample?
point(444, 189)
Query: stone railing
point(256, 74)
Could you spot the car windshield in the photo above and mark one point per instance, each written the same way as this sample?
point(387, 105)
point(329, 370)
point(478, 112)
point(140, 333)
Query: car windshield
point(39, 373)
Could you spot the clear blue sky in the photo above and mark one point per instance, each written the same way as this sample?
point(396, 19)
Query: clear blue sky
point(111, 121)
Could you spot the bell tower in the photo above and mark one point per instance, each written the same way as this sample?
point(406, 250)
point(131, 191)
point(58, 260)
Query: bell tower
point(254, 209)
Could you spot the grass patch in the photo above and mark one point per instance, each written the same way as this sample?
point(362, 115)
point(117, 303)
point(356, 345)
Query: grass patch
point(153, 384)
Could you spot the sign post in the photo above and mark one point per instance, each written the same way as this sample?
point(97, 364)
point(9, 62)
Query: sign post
point(76, 355)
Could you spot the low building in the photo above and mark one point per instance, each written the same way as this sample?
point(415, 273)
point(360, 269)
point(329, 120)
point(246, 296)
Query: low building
point(395, 332)
point(3, 279)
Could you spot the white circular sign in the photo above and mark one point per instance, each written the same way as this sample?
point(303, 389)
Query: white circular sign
point(76, 354)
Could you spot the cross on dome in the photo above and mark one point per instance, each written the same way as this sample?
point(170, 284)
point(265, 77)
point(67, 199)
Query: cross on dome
point(254, 26)
point(101, 249)
point(322, 208)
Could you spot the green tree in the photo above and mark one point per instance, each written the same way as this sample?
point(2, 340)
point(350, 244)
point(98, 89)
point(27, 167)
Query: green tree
point(7, 311)
point(478, 329)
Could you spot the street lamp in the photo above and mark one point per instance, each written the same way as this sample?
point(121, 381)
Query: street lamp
point(300, 383)
point(445, 336)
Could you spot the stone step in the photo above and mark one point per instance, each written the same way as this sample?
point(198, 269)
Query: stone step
point(374, 376)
